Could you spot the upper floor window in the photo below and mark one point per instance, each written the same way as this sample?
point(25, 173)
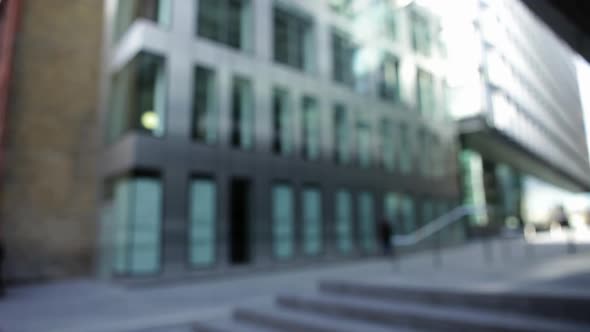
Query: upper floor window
point(138, 97)
point(128, 11)
point(387, 145)
point(363, 133)
point(311, 128)
point(343, 55)
point(405, 149)
point(205, 106)
point(242, 114)
point(226, 21)
point(341, 134)
point(389, 79)
point(421, 35)
point(293, 40)
point(425, 92)
point(282, 119)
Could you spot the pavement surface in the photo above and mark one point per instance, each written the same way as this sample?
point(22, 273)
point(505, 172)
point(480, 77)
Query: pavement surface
point(89, 305)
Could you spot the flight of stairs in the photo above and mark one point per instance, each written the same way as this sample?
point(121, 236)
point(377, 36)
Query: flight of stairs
point(343, 306)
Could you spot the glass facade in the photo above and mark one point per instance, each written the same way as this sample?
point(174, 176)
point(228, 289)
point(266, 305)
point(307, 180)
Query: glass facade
point(138, 98)
point(242, 114)
point(312, 221)
point(366, 219)
point(226, 21)
point(311, 129)
point(293, 39)
point(137, 213)
point(202, 214)
point(282, 119)
point(343, 221)
point(205, 106)
point(283, 221)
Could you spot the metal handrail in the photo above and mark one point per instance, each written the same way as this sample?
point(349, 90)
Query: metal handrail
point(437, 225)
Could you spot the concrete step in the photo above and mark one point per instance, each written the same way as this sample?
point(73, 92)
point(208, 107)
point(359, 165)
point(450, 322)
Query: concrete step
point(558, 306)
point(285, 320)
point(228, 325)
point(393, 314)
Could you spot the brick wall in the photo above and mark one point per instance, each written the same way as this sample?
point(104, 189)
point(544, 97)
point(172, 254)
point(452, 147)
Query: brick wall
point(48, 201)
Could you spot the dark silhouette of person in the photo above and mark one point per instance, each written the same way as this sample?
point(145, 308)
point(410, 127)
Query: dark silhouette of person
point(561, 217)
point(385, 232)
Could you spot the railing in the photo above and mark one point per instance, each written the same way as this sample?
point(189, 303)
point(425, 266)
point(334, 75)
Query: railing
point(437, 225)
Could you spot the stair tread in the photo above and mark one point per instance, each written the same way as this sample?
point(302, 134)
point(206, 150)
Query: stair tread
point(429, 312)
point(310, 321)
point(228, 325)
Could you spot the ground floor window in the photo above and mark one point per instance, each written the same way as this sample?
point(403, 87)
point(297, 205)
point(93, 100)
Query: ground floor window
point(137, 216)
point(312, 221)
point(282, 214)
point(343, 221)
point(366, 216)
point(202, 222)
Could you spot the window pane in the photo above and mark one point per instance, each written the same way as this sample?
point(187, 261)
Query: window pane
point(388, 79)
point(409, 217)
point(367, 221)
point(282, 130)
point(202, 222)
point(341, 135)
point(224, 21)
point(205, 107)
point(343, 55)
point(146, 220)
point(425, 93)
point(128, 11)
point(387, 145)
point(364, 144)
point(312, 221)
point(405, 149)
point(292, 36)
point(343, 221)
point(138, 97)
point(282, 213)
point(311, 129)
point(242, 114)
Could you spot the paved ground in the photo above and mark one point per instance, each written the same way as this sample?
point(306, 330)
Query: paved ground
point(93, 306)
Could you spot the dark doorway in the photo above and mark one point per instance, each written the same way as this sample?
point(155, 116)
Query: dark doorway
point(240, 221)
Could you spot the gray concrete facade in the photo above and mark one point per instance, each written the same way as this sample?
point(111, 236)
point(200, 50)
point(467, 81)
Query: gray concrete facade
point(176, 157)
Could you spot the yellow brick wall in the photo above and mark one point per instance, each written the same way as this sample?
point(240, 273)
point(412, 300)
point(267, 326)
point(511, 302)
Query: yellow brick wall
point(48, 201)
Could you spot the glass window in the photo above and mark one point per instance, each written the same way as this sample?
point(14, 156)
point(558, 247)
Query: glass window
point(225, 21)
point(128, 11)
point(137, 226)
point(311, 129)
point(366, 216)
point(425, 153)
point(343, 221)
point(387, 145)
point(205, 106)
point(405, 150)
point(312, 221)
point(138, 98)
point(292, 39)
point(425, 90)
point(282, 118)
point(343, 55)
point(408, 214)
point(421, 36)
point(242, 116)
point(391, 209)
point(341, 134)
point(389, 79)
point(282, 213)
point(364, 143)
point(202, 222)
